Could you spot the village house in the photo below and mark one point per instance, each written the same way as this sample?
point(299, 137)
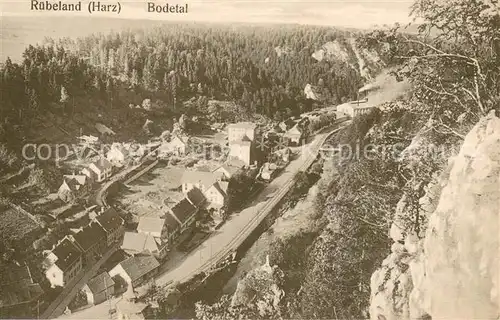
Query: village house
point(217, 194)
point(153, 226)
point(135, 243)
point(136, 269)
point(18, 292)
point(227, 171)
point(73, 186)
point(294, 135)
point(185, 213)
point(176, 146)
point(63, 263)
point(117, 155)
point(99, 289)
point(99, 170)
point(173, 227)
point(112, 224)
point(198, 179)
point(238, 131)
point(91, 241)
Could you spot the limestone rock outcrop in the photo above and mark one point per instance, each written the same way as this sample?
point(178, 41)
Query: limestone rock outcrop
point(453, 271)
point(261, 286)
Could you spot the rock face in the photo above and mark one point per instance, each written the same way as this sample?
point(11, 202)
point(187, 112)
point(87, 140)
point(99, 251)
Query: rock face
point(311, 93)
point(262, 287)
point(332, 50)
point(453, 272)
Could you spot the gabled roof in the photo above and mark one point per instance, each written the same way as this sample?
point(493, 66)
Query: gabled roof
point(293, 131)
point(67, 254)
point(72, 184)
point(110, 220)
point(134, 241)
point(150, 224)
point(221, 188)
point(183, 210)
point(196, 197)
point(100, 283)
point(171, 222)
point(138, 266)
point(229, 169)
point(103, 164)
point(89, 236)
point(205, 178)
point(79, 178)
point(140, 242)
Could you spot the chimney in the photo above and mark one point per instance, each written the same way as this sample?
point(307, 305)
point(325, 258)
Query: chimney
point(102, 210)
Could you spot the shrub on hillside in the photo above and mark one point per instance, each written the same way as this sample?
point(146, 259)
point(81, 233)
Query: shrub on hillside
point(8, 160)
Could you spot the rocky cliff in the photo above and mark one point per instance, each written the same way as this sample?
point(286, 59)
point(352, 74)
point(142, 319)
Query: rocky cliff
point(451, 270)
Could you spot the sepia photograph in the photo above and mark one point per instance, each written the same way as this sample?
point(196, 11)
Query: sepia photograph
point(250, 159)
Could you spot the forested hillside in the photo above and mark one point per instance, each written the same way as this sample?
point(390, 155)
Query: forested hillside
point(263, 70)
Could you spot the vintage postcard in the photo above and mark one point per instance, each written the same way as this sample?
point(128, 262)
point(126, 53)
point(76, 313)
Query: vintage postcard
point(250, 159)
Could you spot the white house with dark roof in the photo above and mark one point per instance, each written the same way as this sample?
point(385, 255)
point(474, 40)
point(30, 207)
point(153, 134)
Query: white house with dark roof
point(99, 289)
point(99, 170)
point(295, 135)
point(63, 263)
point(217, 194)
point(73, 186)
